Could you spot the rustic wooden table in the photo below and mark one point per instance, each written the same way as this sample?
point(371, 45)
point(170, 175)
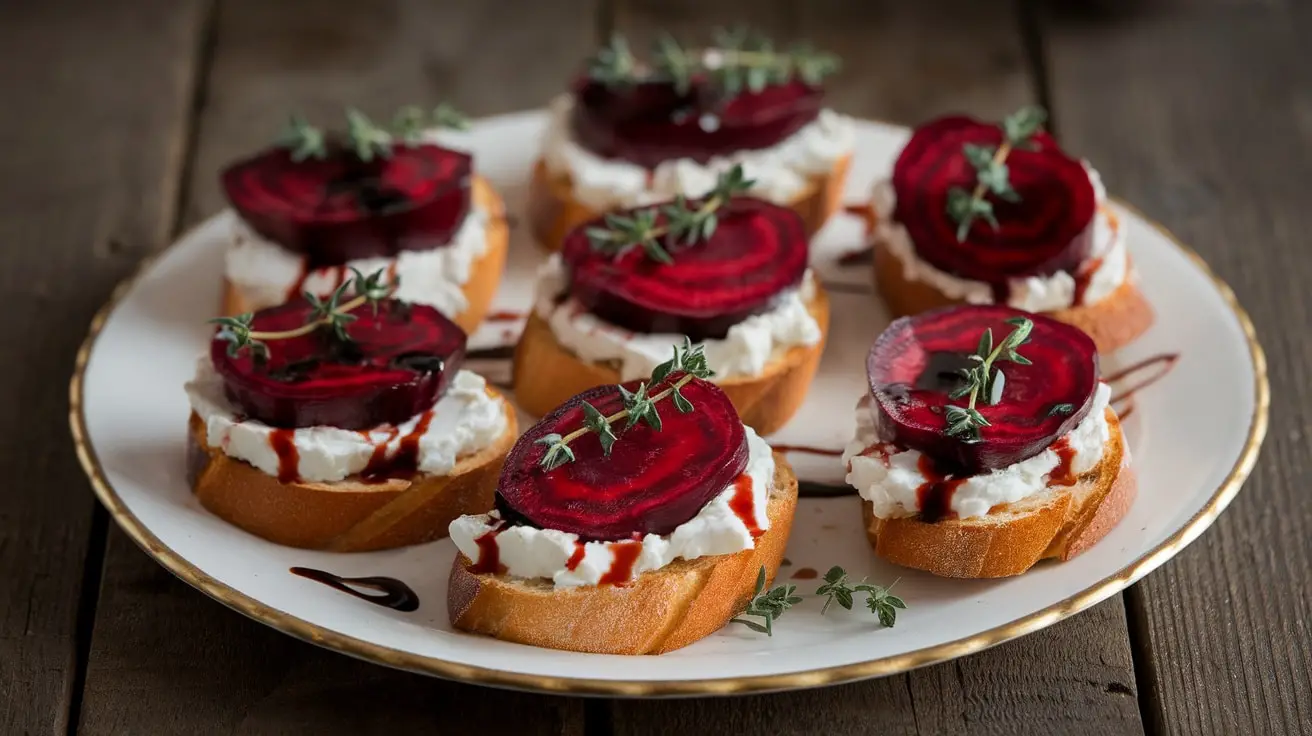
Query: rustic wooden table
point(118, 114)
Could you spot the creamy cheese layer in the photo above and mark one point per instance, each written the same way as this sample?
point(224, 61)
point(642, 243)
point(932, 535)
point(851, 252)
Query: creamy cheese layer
point(464, 421)
point(890, 478)
point(1031, 293)
point(528, 552)
point(744, 351)
point(266, 273)
point(781, 172)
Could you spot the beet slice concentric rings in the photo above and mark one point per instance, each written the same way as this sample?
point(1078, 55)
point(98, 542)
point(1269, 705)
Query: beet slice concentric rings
point(652, 482)
point(397, 364)
point(758, 252)
point(650, 122)
point(340, 208)
point(911, 370)
point(1048, 230)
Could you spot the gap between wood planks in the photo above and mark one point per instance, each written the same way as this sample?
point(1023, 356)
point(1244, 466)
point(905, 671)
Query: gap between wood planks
point(93, 567)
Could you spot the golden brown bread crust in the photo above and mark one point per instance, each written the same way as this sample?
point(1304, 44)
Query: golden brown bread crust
point(553, 210)
point(484, 273)
point(348, 515)
point(546, 374)
point(659, 612)
point(1012, 537)
point(1113, 321)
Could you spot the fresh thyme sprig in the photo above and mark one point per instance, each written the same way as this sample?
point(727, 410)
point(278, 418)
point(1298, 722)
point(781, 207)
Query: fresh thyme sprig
point(991, 174)
point(740, 59)
point(367, 139)
point(330, 312)
point(983, 380)
point(767, 606)
point(639, 406)
point(878, 598)
point(685, 223)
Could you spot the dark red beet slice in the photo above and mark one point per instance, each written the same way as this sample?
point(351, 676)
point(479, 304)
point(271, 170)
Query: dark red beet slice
point(1048, 230)
point(758, 251)
point(397, 365)
point(651, 122)
point(341, 208)
point(911, 370)
point(651, 483)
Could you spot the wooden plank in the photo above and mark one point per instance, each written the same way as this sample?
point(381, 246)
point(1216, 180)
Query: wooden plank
point(164, 658)
point(906, 62)
point(93, 133)
point(1202, 116)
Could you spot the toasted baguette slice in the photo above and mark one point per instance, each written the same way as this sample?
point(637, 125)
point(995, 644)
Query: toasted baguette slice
point(553, 209)
point(484, 273)
point(348, 515)
point(660, 611)
point(1113, 321)
point(1059, 522)
point(546, 374)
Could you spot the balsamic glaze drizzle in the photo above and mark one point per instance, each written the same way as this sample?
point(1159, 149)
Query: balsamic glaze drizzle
point(391, 593)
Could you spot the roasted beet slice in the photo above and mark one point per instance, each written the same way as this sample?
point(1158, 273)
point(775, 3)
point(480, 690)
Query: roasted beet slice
point(340, 208)
point(912, 371)
point(652, 481)
point(1048, 230)
point(651, 122)
point(396, 365)
point(758, 251)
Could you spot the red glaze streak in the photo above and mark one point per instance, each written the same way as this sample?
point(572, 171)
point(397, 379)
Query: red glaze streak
point(806, 573)
point(283, 443)
point(489, 554)
point(1063, 474)
point(743, 504)
point(625, 555)
point(573, 562)
point(935, 494)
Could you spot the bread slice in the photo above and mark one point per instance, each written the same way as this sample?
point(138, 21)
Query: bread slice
point(1057, 523)
point(348, 515)
point(660, 611)
point(553, 209)
point(484, 274)
point(1113, 321)
point(546, 373)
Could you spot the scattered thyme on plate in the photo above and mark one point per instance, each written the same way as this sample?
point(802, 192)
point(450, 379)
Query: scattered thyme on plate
point(639, 406)
point(770, 605)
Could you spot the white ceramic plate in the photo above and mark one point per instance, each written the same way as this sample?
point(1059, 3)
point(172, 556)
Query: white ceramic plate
point(1194, 437)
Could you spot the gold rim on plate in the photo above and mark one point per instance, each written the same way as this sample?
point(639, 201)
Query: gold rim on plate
point(399, 659)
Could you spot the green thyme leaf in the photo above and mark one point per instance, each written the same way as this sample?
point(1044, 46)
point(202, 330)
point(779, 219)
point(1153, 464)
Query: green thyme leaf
point(594, 420)
point(558, 453)
point(368, 140)
point(681, 403)
point(1020, 126)
point(996, 386)
point(1061, 410)
point(302, 139)
point(985, 344)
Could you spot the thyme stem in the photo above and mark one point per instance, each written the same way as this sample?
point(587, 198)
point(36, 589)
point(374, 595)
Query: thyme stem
point(624, 413)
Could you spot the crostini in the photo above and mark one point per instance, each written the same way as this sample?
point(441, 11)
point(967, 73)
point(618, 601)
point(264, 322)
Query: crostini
point(986, 443)
point(344, 424)
point(318, 205)
point(632, 132)
point(999, 214)
point(633, 519)
point(727, 271)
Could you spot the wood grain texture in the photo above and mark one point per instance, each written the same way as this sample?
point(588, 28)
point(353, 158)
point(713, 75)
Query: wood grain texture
point(92, 133)
point(1202, 116)
point(165, 659)
point(907, 62)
